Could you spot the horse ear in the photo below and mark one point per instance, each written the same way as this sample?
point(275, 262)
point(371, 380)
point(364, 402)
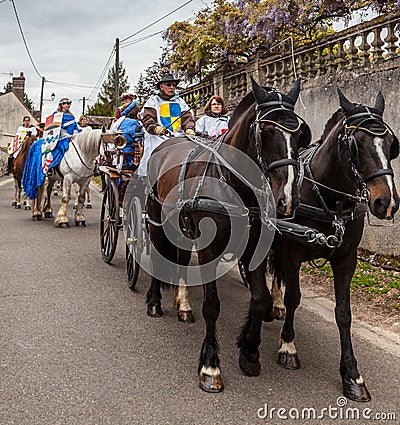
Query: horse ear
point(258, 91)
point(380, 102)
point(103, 128)
point(345, 104)
point(295, 91)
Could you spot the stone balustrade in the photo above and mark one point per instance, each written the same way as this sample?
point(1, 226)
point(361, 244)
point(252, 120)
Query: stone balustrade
point(357, 50)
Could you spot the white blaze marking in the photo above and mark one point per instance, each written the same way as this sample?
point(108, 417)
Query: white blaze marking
point(288, 189)
point(378, 142)
point(288, 347)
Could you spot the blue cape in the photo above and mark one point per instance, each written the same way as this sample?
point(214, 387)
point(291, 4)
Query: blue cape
point(33, 176)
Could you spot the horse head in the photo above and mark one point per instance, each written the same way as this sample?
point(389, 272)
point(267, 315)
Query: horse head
point(279, 132)
point(368, 144)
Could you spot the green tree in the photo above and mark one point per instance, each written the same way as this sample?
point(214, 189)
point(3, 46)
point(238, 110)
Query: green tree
point(105, 103)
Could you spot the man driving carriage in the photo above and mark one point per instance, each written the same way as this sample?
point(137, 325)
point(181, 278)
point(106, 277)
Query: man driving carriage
point(164, 113)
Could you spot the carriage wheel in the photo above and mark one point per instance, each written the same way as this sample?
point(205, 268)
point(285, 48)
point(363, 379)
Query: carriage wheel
point(134, 240)
point(110, 221)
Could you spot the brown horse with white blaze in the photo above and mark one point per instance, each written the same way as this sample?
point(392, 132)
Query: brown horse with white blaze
point(346, 172)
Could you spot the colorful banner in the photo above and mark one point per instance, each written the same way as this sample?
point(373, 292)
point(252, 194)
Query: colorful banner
point(52, 130)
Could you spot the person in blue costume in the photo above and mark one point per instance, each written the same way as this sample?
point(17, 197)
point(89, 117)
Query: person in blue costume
point(129, 100)
point(34, 170)
point(130, 127)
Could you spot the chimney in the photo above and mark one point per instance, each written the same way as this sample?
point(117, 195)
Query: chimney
point(18, 85)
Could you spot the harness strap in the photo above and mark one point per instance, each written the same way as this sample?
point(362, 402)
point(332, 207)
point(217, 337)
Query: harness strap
point(320, 214)
point(282, 162)
point(381, 172)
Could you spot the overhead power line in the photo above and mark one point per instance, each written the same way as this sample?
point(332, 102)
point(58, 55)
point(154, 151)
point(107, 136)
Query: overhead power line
point(138, 40)
point(155, 22)
point(24, 40)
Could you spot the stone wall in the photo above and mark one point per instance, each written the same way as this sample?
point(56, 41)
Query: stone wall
point(361, 61)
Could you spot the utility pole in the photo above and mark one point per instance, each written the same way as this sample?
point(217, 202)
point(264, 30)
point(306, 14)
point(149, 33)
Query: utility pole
point(116, 73)
point(83, 105)
point(41, 99)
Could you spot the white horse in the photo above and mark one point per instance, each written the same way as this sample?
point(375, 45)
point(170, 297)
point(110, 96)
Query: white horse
point(77, 166)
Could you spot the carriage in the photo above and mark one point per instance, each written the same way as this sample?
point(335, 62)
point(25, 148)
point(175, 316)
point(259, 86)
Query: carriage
point(120, 209)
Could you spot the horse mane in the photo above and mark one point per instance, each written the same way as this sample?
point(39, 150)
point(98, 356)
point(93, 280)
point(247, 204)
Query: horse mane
point(27, 143)
point(332, 122)
point(88, 140)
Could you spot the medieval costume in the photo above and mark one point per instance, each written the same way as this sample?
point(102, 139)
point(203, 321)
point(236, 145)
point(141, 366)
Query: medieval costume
point(161, 115)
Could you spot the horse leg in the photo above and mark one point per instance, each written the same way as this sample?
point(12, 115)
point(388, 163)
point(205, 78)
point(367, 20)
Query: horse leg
point(88, 200)
point(153, 299)
point(287, 355)
point(79, 216)
point(36, 205)
point(76, 186)
point(277, 299)
point(260, 309)
point(210, 379)
point(26, 203)
point(181, 298)
point(61, 219)
point(353, 383)
point(17, 195)
point(47, 207)
point(166, 250)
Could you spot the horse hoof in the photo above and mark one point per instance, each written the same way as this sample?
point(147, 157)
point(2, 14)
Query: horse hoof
point(154, 310)
point(14, 204)
point(89, 206)
point(37, 218)
point(48, 215)
point(355, 392)
point(75, 207)
point(63, 225)
point(186, 317)
point(211, 384)
point(17, 207)
point(27, 208)
point(279, 313)
point(289, 361)
point(80, 223)
point(249, 368)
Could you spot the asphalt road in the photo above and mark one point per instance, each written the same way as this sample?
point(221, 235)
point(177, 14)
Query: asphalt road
point(76, 345)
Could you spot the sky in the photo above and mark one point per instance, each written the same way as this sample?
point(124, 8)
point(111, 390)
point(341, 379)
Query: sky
point(70, 43)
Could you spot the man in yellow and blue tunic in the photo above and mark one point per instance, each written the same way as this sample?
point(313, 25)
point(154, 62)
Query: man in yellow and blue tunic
point(164, 114)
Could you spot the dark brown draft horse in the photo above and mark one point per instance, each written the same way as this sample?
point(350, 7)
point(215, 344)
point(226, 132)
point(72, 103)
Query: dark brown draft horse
point(347, 171)
point(269, 133)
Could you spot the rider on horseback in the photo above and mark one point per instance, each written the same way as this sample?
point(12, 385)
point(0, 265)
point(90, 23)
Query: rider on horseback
point(47, 152)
